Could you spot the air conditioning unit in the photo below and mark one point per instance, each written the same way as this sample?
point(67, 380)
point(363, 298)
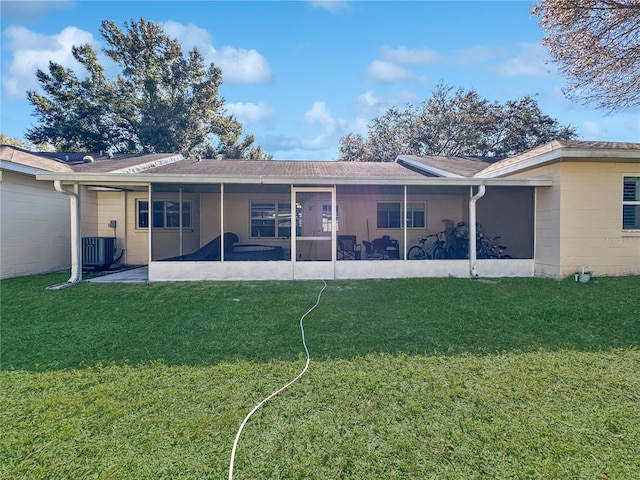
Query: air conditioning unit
point(98, 252)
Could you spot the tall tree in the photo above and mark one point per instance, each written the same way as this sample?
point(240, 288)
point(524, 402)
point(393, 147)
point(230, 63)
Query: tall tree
point(596, 44)
point(162, 100)
point(457, 124)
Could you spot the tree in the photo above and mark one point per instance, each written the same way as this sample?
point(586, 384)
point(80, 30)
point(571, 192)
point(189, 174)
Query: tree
point(14, 142)
point(596, 44)
point(459, 124)
point(162, 100)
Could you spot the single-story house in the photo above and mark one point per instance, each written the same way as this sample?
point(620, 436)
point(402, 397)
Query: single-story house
point(559, 208)
point(34, 218)
point(35, 226)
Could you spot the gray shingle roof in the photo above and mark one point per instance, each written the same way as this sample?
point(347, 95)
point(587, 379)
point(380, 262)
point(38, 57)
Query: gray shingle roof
point(129, 163)
point(282, 168)
point(464, 166)
point(31, 159)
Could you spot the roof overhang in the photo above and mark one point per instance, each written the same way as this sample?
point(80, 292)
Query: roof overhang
point(19, 168)
point(563, 154)
point(141, 179)
point(421, 167)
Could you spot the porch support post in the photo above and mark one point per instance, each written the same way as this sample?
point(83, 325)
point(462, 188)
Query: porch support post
point(294, 225)
point(404, 226)
point(222, 222)
point(180, 215)
point(76, 240)
point(150, 200)
point(472, 227)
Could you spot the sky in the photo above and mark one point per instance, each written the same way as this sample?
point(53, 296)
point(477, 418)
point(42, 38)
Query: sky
point(299, 75)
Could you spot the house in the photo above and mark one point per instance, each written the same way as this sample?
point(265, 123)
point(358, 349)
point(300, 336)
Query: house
point(35, 223)
point(558, 208)
point(34, 218)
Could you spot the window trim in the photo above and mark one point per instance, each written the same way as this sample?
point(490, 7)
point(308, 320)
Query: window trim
point(625, 203)
point(277, 213)
point(403, 216)
point(150, 214)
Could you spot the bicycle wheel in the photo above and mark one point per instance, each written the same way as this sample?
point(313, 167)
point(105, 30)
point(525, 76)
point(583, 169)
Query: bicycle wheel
point(438, 253)
point(416, 253)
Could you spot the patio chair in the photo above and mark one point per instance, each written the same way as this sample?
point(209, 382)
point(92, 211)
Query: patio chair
point(383, 248)
point(348, 248)
point(371, 253)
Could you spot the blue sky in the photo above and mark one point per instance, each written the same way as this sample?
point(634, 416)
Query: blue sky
point(301, 74)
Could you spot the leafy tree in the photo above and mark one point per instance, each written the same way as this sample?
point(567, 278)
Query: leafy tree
point(14, 142)
point(596, 44)
point(458, 124)
point(162, 100)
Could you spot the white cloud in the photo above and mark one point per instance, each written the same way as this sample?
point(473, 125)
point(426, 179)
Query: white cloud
point(533, 60)
point(319, 113)
point(31, 51)
point(409, 57)
point(242, 66)
point(388, 72)
point(249, 112)
point(190, 36)
point(238, 65)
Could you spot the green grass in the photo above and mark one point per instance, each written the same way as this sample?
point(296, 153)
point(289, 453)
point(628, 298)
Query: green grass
point(412, 379)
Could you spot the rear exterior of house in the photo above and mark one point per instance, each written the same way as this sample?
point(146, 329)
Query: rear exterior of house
point(34, 218)
point(557, 208)
point(590, 217)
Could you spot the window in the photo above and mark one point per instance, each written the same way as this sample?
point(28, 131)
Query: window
point(165, 214)
point(389, 214)
point(326, 218)
point(270, 219)
point(416, 215)
point(631, 203)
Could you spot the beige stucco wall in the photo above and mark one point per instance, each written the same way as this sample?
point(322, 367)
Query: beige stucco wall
point(579, 220)
point(137, 239)
point(591, 223)
point(133, 242)
point(34, 228)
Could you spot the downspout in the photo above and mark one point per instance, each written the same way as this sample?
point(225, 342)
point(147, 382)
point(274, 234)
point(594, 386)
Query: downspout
point(472, 229)
point(76, 242)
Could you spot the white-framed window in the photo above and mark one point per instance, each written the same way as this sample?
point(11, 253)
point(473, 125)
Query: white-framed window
point(270, 218)
point(326, 218)
point(164, 214)
point(631, 203)
point(389, 214)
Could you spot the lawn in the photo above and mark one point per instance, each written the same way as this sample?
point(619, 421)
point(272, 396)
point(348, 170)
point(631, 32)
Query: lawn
point(409, 379)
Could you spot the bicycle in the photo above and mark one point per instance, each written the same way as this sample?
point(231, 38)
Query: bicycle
point(492, 251)
point(436, 251)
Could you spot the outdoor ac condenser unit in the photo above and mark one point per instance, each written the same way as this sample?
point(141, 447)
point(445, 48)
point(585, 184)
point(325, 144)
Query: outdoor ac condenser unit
point(98, 252)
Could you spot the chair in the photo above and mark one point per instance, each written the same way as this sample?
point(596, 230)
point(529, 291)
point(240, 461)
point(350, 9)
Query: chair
point(383, 248)
point(348, 248)
point(370, 251)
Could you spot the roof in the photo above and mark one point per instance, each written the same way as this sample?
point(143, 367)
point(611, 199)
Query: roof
point(564, 150)
point(170, 168)
point(293, 169)
point(24, 161)
point(446, 166)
